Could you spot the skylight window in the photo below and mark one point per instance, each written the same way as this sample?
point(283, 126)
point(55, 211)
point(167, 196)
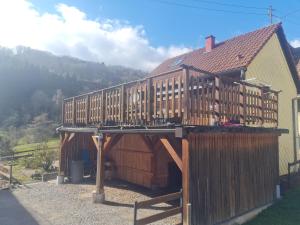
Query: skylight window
point(177, 62)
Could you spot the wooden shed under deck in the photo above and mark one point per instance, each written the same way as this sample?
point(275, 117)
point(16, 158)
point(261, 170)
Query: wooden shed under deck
point(218, 130)
point(226, 171)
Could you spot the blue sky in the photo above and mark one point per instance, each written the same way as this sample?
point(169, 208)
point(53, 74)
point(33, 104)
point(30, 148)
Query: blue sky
point(167, 24)
point(139, 33)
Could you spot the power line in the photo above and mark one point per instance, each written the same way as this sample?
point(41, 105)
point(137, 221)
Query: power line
point(290, 13)
point(232, 5)
point(209, 9)
point(286, 20)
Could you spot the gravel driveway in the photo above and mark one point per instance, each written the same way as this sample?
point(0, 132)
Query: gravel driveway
point(71, 204)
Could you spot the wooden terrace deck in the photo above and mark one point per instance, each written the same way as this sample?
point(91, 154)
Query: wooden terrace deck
point(186, 96)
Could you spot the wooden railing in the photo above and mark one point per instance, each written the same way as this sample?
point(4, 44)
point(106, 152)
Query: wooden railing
point(184, 96)
point(159, 216)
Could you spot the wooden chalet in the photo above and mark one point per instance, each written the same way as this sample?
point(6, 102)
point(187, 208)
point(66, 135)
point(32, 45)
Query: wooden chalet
point(212, 133)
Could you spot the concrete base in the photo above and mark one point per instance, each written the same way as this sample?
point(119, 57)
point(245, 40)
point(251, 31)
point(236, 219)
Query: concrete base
point(246, 217)
point(98, 197)
point(60, 179)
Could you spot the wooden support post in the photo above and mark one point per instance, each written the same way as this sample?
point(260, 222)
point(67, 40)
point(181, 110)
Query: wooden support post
point(98, 195)
point(63, 140)
point(186, 91)
point(185, 179)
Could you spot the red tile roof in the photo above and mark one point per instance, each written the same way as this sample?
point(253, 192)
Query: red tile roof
point(228, 55)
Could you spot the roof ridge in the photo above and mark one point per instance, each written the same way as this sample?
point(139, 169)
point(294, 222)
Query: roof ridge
point(276, 25)
point(222, 55)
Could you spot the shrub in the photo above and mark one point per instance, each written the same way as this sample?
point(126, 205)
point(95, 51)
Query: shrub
point(42, 158)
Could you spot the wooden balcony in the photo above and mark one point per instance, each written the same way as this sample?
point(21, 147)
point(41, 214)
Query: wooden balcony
point(186, 96)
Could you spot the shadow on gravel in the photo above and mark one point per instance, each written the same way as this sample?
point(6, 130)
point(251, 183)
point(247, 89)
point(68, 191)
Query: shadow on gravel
point(12, 211)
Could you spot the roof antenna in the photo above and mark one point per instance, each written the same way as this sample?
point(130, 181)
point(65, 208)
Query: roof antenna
point(270, 13)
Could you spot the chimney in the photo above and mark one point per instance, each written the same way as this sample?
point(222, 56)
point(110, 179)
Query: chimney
point(209, 43)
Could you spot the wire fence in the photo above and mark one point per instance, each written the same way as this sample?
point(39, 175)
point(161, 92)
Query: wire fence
point(16, 168)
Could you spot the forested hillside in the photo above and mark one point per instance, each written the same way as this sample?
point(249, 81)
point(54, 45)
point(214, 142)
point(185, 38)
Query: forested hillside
point(34, 82)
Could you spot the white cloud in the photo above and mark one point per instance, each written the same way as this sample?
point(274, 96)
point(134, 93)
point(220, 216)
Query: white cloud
point(70, 32)
point(295, 43)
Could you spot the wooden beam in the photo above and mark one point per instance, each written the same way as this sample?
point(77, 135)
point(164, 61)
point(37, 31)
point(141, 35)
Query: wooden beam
point(185, 178)
point(172, 152)
point(72, 135)
point(111, 141)
point(95, 140)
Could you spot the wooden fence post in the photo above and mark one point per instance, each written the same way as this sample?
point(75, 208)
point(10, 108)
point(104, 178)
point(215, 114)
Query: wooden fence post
point(122, 104)
point(262, 106)
point(102, 108)
point(216, 106)
point(186, 91)
point(87, 110)
point(135, 213)
point(10, 173)
point(242, 101)
point(74, 111)
point(63, 112)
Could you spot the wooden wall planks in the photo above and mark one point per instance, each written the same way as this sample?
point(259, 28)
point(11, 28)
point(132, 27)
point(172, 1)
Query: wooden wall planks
point(231, 173)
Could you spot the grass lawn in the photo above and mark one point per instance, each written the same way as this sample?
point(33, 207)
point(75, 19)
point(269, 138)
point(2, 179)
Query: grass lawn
point(283, 212)
point(19, 171)
point(52, 143)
